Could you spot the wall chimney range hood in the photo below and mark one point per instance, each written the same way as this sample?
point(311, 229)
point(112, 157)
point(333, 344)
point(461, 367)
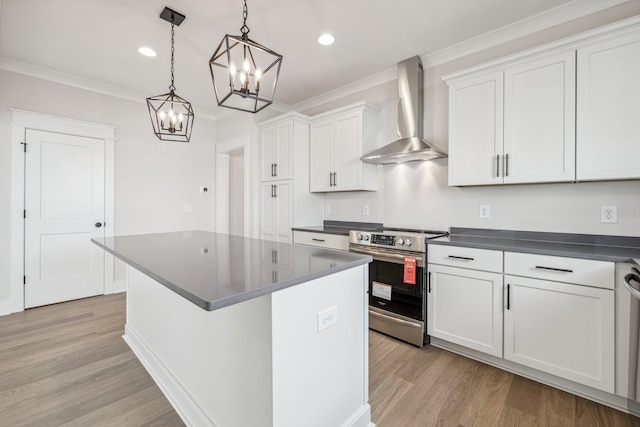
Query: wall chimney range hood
point(409, 146)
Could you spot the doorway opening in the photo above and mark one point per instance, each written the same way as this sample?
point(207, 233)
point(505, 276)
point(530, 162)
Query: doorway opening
point(232, 187)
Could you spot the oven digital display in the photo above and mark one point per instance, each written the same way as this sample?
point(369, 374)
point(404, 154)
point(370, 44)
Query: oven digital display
point(382, 239)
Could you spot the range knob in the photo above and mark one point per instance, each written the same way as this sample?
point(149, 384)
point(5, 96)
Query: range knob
point(359, 236)
point(365, 237)
point(400, 242)
point(408, 242)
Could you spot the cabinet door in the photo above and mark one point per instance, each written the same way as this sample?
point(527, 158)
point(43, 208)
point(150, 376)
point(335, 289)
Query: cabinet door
point(267, 212)
point(476, 130)
point(565, 330)
point(320, 156)
point(268, 141)
point(465, 307)
point(348, 150)
point(608, 125)
point(284, 211)
point(276, 145)
point(284, 151)
point(539, 120)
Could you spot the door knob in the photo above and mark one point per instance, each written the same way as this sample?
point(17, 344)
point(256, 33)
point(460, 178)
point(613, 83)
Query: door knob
point(98, 224)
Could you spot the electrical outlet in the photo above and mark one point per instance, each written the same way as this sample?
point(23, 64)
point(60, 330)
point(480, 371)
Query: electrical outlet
point(484, 211)
point(328, 317)
point(609, 214)
point(186, 209)
point(365, 210)
point(327, 209)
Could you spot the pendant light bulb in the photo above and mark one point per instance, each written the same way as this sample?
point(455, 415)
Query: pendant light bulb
point(246, 66)
point(258, 74)
point(232, 70)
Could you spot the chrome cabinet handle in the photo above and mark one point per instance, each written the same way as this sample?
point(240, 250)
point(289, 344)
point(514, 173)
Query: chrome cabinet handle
point(497, 165)
point(98, 224)
point(627, 282)
point(317, 240)
point(335, 179)
point(506, 166)
point(275, 191)
point(272, 169)
point(275, 169)
point(461, 257)
point(508, 296)
point(563, 270)
point(429, 283)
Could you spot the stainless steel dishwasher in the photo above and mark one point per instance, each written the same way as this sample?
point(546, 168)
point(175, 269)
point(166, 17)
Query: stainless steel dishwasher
point(628, 334)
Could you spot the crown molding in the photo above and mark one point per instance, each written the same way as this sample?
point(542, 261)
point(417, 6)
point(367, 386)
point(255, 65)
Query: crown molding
point(542, 21)
point(31, 70)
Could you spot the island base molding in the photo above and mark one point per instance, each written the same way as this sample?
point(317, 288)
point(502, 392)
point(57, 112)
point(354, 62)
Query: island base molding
point(612, 400)
point(261, 362)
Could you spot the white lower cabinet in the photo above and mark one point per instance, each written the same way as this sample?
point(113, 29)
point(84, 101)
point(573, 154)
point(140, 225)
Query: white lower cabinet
point(465, 307)
point(553, 314)
point(563, 329)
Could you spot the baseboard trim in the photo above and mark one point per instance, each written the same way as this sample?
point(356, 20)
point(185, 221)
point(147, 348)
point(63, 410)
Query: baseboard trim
point(188, 409)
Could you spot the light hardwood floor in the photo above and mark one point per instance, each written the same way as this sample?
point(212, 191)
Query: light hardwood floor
point(67, 365)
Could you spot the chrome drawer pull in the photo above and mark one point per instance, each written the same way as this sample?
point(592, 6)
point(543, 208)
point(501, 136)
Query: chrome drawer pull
point(317, 240)
point(564, 270)
point(461, 257)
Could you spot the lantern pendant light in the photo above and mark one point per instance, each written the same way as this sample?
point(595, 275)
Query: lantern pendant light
point(171, 115)
point(244, 73)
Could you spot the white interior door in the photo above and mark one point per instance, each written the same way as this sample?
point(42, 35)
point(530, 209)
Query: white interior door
point(64, 206)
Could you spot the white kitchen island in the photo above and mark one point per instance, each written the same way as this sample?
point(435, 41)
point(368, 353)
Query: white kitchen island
point(242, 332)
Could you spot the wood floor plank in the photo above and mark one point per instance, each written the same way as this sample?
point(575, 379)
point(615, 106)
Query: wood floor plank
point(67, 365)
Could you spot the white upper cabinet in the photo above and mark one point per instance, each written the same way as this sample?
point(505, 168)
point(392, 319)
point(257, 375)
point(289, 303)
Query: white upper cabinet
point(567, 111)
point(476, 130)
point(514, 124)
point(539, 120)
point(608, 126)
point(276, 145)
point(338, 139)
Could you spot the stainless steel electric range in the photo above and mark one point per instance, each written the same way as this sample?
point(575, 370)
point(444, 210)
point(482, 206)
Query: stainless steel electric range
point(397, 280)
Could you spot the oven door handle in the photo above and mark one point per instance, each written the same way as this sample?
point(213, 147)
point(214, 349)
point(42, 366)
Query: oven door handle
point(395, 319)
point(386, 256)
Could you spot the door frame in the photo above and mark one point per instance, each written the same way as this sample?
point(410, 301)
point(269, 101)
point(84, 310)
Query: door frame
point(21, 121)
point(222, 182)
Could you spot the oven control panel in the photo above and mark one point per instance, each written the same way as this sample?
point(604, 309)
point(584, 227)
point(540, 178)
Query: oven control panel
point(406, 242)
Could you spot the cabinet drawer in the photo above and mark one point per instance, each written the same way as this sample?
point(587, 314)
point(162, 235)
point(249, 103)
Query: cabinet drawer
point(457, 256)
point(599, 274)
point(332, 241)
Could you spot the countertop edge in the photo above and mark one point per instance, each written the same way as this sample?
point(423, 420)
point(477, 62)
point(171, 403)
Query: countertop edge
point(235, 299)
point(523, 248)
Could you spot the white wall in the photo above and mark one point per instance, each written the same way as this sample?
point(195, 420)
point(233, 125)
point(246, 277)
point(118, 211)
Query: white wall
point(153, 178)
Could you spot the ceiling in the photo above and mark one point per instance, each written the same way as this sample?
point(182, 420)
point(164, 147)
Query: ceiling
point(97, 40)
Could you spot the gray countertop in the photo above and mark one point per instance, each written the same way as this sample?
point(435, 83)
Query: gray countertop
point(602, 248)
point(217, 270)
point(340, 228)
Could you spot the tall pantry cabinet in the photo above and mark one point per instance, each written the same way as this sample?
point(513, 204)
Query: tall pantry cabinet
point(285, 200)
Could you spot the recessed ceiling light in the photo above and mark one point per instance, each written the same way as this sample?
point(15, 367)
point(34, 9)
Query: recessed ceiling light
point(326, 39)
point(147, 51)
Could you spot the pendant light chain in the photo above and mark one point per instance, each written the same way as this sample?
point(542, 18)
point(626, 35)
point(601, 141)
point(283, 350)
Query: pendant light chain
point(172, 87)
point(245, 13)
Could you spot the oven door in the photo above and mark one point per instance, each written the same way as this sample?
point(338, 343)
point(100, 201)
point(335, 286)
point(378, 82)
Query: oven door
point(388, 291)
point(387, 287)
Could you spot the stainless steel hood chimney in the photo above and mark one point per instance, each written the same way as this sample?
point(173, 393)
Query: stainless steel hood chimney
point(409, 146)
